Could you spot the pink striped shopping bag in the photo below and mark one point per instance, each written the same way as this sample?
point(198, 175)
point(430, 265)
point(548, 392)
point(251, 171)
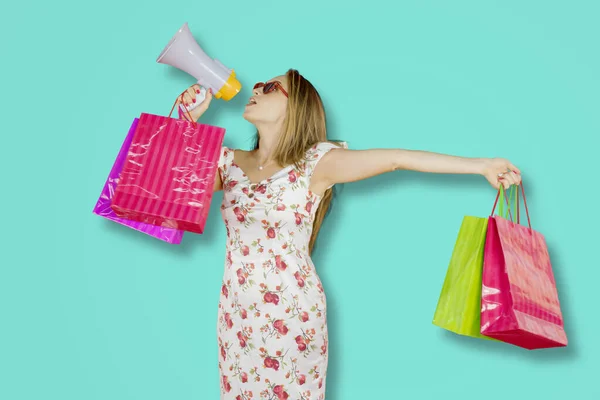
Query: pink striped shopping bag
point(169, 173)
point(103, 205)
point(519, 299)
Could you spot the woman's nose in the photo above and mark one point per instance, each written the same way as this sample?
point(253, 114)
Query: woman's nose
point(256, 91)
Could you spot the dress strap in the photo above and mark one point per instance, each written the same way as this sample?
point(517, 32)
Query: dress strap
point(316, 152)
point(225, 161)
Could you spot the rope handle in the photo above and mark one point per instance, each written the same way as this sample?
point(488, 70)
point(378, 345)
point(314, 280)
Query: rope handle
point(179, 109)
point(501, 190)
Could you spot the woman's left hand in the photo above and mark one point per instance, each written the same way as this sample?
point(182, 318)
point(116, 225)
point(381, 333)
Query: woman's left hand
point(500, 170)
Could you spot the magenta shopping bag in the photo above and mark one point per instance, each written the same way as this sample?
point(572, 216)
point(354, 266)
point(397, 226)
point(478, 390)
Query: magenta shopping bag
point(519, 301)
point(103, 205)
point(169, 173)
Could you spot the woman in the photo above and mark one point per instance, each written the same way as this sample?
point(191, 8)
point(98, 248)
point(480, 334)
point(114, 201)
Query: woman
point(272, 324)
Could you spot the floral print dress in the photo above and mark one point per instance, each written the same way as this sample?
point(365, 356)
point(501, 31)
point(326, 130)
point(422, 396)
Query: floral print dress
point(272, 320)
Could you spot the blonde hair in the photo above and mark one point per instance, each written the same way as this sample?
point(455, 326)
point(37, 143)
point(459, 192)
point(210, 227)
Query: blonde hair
point(304, 126)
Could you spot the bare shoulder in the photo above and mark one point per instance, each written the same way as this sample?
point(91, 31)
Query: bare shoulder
point(324, 156)
point(240, 154)
point(324, 152)
point(243, 158)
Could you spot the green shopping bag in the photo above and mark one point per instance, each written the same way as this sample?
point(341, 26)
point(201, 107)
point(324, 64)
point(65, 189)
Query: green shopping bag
point(459, 306)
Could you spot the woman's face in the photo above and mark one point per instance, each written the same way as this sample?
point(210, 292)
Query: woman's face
point(269, 107)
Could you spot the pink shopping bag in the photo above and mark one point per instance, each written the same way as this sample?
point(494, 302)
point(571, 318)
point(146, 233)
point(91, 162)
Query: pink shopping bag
point(519, 300)
point(169, 173)
point(103, 205)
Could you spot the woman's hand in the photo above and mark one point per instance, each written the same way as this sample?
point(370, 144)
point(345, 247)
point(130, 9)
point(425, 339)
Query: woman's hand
point(189, 97)
point(500, 170)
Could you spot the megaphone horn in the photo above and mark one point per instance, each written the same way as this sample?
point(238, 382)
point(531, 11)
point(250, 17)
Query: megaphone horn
point(184, 53)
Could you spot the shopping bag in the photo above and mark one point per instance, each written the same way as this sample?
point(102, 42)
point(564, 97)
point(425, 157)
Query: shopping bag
point(459, 305)
point(169, 173)
point(103, 205)
point(520, 303)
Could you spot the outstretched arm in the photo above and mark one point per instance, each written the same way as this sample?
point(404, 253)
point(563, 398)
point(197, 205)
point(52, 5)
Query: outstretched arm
point(341, 166)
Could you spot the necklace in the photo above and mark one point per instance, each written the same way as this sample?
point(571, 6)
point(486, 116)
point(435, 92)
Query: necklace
point(263, 165)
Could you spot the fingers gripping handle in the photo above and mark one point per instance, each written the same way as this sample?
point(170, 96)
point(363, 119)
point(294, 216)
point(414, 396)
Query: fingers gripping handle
point(199, 99)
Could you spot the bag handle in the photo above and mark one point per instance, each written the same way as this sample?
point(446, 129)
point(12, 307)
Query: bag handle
point(508, 203)
point(179, 109)
point(501, 192)
point(518, 206)
point(525, 203)
point(500, 196)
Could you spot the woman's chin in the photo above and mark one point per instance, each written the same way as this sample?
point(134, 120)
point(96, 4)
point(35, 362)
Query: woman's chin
point(247, 114)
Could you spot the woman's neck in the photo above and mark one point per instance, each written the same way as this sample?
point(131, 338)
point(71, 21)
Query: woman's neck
point(268, 136)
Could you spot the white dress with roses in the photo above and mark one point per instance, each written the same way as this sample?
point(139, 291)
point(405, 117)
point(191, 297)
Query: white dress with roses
point(272, 323)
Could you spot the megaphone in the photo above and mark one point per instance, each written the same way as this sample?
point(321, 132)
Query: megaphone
point(184, 53)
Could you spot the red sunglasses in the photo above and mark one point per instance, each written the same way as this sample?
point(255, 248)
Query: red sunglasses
point(270, 87)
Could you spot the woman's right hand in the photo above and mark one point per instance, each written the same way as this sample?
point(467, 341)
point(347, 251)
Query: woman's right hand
point(189, 97)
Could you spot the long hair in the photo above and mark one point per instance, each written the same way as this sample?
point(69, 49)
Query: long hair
point(303, 127)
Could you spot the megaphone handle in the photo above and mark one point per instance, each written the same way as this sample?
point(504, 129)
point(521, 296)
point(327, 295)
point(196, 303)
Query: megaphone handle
point(199, 99)
point(181, 109)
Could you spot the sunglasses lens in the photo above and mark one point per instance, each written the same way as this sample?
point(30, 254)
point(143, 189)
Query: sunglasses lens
point(269, 87)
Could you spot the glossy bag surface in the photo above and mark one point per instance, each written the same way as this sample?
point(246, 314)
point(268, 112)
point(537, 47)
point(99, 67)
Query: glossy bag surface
point(169, 173)
point(103, 205)
point(520, 303)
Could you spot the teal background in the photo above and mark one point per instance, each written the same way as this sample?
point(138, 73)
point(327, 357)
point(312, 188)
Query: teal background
point(96, 311)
